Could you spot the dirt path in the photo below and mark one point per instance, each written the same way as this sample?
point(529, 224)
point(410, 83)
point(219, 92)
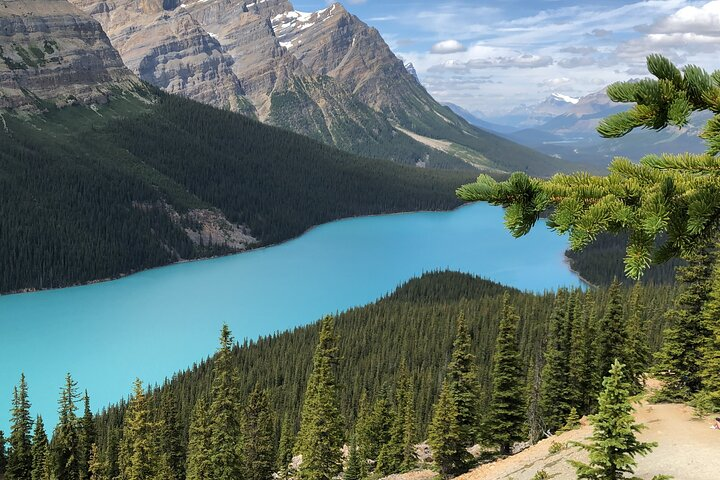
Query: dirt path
point(688, 450)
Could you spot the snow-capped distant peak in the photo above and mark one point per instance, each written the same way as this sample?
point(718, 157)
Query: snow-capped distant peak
point(565, 98)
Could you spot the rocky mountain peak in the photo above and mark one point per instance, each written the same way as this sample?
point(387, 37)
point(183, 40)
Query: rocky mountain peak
point(58, 53)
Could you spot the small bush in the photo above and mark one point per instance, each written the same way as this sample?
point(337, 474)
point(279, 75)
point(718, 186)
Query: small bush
point(556, 447)
point(541, 475)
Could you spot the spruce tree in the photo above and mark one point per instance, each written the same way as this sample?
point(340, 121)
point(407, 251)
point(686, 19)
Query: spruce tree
point(64, 445)
point(445, 436)
point(710, 350)
point(99, 466)
point(555, 393)
point(462, 381)
point(398, 453)
point(582, 357)
point(3, 454)
point(19, 462)
point(170, 438)
point(321, 431)
point(374, 429)
point(637, 350)
point(40, 452)
point(354, 468)
point(613, 445)
point(199, 465)
point(285, 447)
point(679, 362)
point(611, 335)
point(86, 439)
point(138, 455)
point(225, 413)
point(258, 435)
point(505, 421)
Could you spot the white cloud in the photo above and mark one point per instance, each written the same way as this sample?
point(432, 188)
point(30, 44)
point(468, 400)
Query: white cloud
point(524, 60)
point(704, 20)
point(448, 46)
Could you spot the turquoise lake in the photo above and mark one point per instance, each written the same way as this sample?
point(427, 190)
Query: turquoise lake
point(157, 322)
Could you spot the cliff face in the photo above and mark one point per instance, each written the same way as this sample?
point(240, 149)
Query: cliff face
point(52, 51)
point(323, 74)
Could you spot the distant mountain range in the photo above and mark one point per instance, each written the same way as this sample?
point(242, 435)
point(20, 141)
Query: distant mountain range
point(565, 127)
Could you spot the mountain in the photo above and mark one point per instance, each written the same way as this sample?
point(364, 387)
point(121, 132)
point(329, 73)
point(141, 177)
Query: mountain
point(565, 127)
point(103, 175)
point(324, 74)
point(479, 122)
point(51, 52)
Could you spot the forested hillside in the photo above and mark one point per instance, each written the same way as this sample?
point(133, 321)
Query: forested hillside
point(149, 179)
point(414, 328)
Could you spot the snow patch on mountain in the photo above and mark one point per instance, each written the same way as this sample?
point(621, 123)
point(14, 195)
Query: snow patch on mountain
point(565, 98)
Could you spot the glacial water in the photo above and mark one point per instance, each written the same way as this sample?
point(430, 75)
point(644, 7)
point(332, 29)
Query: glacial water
point(157, 322)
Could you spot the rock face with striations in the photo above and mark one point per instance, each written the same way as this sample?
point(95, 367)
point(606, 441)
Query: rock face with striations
point(58, 53)
point(323, 74)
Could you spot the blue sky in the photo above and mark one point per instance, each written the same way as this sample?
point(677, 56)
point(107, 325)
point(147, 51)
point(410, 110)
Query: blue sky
point(492, 56)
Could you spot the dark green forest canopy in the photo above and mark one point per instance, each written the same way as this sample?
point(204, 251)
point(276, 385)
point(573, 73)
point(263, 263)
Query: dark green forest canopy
point(415, 324)
point(84, 195)
point(669, 205)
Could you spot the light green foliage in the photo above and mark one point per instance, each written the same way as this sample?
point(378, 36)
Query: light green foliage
point(354, 468)
point(321, 431)
point(672, 199)
point(445, 436)
point(506, 417)
point(613, 445)
point(556, 447)
point(573, 421)
point(138, 453)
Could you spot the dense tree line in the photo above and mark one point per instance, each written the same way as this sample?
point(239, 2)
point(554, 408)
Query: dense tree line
point(84, 197)
point(419, 324)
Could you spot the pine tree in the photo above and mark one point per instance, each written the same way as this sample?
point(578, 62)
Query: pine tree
point(3, 454)
point(637, 350)
point(99, 467)
point(710, 350)
point(582, 357)
point(505, 422)
point(679, 362)
point(374, 428)
point(224, 413)
point(536, 425)
point(19, 462)
point(40, 452)
point(64, 445)
point(258, 436)
point(555, 393)
point(87, 436)
point(398, 453)
point(199, 465)
point(138, 456)
point(613, 445)
point(666, 203)
point(611, 335)
point(170, 438)
point(354, 469)
point(445, 436)
point(320, 439)
point(285, 447)
point(462, 381)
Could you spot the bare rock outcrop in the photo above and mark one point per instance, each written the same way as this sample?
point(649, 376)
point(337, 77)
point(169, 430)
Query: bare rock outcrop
point(51, 51)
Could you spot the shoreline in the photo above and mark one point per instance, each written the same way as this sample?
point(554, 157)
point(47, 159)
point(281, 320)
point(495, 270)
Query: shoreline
point(212, 257)
point(569, 264)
